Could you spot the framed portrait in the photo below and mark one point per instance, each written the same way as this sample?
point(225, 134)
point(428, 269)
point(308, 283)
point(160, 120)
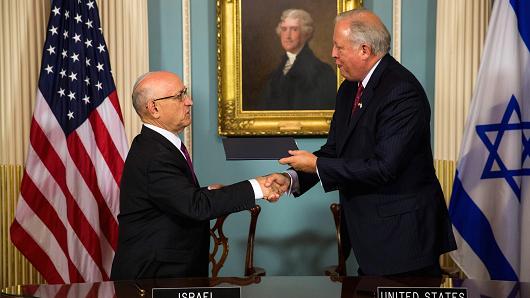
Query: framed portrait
point(276, 75)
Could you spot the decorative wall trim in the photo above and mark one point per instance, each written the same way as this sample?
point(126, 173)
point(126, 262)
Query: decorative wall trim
point(396, 29)
point(186, 65)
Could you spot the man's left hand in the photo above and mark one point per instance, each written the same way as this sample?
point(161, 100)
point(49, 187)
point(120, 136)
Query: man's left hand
point(301, 160)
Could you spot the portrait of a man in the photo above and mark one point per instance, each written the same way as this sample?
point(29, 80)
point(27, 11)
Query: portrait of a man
point(294, 77)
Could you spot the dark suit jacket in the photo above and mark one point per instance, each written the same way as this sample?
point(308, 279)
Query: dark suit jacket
point(164, 216)
point(310, 84)
point(381, 162)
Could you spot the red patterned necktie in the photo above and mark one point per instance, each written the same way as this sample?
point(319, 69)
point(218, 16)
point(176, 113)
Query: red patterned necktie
point(357, 102)
point(188, 160)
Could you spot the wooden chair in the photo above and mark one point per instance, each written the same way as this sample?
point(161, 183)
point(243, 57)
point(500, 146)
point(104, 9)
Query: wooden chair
point(339, 270)
point(221, 243)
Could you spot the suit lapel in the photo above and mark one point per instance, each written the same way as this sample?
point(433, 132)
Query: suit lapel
point(170, 147)
point(366, 99)
point(343, 111)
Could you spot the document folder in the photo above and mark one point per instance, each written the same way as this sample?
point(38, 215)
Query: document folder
point(272, 148)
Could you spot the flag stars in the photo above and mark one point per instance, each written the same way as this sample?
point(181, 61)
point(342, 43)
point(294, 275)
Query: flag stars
point(99, 86)
point(56, 11)
point(49, 68)
point(89, 24)
point(87, 62)
point(87, 81)
point(65, 34)
point(77, 38)
point(86, 99)
point(88, 43)
point(60, 92)
point(62, 73)
point(78, 18)
point(70, 115)
point(64, 53)
point(71, 95)
point(51, 50)
point(101, 48)
point(73, 76)
point(53, 30)
point(99, 67)
point(75, 57)
point(90, 4)
point(66, 14)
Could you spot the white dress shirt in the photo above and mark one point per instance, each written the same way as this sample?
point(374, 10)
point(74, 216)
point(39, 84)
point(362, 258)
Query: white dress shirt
point(289, 63)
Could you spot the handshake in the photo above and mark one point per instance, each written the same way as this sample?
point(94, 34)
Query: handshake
point(274, 185)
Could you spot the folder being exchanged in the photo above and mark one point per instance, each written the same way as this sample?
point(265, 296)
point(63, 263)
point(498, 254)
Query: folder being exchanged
point(272, 148)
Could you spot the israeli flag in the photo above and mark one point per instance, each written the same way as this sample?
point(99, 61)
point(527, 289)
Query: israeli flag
point(490, 203)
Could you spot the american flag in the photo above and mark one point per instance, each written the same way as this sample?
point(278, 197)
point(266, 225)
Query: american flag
point(65, 222)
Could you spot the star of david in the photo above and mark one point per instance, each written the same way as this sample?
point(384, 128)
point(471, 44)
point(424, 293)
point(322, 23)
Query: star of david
point(505, 125)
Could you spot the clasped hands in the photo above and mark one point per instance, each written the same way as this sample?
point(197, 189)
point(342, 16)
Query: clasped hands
point(272, 186)
point(275, 185)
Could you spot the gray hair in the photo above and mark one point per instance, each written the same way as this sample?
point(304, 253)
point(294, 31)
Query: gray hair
point(306, 21)
point(140, 95)
point(376, 35)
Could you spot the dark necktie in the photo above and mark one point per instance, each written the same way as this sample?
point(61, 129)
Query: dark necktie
point(188, 160)
point(357, 102)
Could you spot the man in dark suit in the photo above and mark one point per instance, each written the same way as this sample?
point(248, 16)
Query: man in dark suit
point(164, 213)
point(378, 156)
point(301, 81)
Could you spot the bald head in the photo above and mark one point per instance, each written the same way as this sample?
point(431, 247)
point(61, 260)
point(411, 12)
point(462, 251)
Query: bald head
point(152, 85)
point(365, 27)
point(161, 99)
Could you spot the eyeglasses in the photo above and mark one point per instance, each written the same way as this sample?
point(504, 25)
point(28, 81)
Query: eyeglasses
point(179, 96)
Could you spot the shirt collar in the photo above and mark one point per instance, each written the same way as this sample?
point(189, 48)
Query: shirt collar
point(369, 75)
point(173, 138)
point(291, 56)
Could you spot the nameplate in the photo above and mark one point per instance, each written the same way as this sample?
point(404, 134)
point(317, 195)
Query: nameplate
point(421, 292)
point(217, 292)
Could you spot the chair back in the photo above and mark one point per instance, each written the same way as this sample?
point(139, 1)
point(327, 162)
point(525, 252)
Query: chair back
point(220, 249)
point(340, 268)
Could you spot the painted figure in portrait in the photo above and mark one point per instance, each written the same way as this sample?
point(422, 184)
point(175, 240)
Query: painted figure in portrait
point(301, 81)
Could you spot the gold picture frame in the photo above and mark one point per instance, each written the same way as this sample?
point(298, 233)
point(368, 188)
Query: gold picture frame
point(233, 120)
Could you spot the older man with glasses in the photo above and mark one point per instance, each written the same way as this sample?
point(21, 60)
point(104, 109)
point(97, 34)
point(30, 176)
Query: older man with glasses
point(164, 213)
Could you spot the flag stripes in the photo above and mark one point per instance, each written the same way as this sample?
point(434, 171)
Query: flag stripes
point(486, 248)
point(490, 203)
point(66, 218)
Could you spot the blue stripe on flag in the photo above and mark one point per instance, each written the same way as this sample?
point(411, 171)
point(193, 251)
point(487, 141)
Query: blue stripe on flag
point(474, 227)
point(522, 11)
